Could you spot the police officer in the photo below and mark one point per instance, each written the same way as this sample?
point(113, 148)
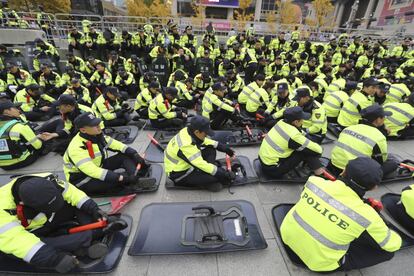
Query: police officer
point(258, 100)
point(334, 102)
point(405, 209)
point(332, 228)
point(316, 126)
point(162, 113)
point(364, 139)
point(190, 158)
point(125, 81)
point(144, 97)
point(101, 77)
point(235, 84)
point(51, 81)
point(35, 105)
point(63, 128)
point(249, 89)
point(79, 92)
point(285, 146)
point(19, 145)
point(216, 108)
point(401, 122)
point(350, 112)
point(32, 225)
point(280, 101)
point(87, 163)
point(108, 108)
point(184, 98)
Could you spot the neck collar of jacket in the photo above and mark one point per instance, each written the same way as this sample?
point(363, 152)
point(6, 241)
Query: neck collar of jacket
point(97, 139)
point(359, 190)
point(195, 139)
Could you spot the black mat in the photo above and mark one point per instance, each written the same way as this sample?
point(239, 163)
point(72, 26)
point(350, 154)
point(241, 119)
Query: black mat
point(155, 171)
point(241, 179)
point(124, 134)
point(401, 174)
point(389, 201)
point(234, 138)
point(299, 175)
point(397, 138)
point(148, 126)
point(278, 213)
point(106, 264)
point(160, 225)
point(335, 129)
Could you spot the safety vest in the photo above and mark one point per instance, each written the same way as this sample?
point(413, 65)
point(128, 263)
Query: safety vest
point(334, 102)
point(336, 85)
point(143, 99)
point(68, 124)
point(245, 93)
point(10, 149)
point(160, 108)
point(105, 109)
point(358, 141)
point(81, 94)
point(183, 143)
point(402, 114)
point(349, 114)
point(15, 238)
point(275, 146)
point(183, 93)
point(211, 102)
point(326, 219)
point(102, 78)
point(397, 93)
point(318, 123)
point(200, 84)
point(83, 159)
point(407, 200)
point(257, 98)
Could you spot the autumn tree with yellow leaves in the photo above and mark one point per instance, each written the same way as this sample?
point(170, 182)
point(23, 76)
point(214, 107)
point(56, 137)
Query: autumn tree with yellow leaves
point(285, 13)
point(154, 8)
point(323, 16)
point(56, 6)
point(243, 14)
point(199, 13)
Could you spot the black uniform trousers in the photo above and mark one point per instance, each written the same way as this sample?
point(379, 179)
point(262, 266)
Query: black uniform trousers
point(285, 165)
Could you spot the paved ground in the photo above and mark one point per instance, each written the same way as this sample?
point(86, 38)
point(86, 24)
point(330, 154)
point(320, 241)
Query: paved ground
point(272, 261)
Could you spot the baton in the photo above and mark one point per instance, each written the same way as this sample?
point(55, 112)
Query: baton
point(139, 166)
point(249, 132)
point(411, 168)
point(228, 162)
point(328, 175)
point(91, 226)
point(156, 143)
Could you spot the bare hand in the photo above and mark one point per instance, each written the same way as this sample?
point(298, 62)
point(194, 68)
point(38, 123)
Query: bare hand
point(45, 108)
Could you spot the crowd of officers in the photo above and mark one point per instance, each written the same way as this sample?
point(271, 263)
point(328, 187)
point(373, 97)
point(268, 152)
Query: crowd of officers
point(290, 87)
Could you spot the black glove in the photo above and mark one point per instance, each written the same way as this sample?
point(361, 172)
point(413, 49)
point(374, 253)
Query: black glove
point(99, 214)
point(129, 179)
point(66, 263)
point(179, 115)
point(138, 159)
point(119, 114)
point(224, 176)
point(225, 148)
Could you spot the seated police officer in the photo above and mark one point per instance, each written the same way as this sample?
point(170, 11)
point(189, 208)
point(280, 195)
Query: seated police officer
point(144, 97)
point(285, 146)
point(33, 225)
point(216, 108)
point(19, 145)
point(87, 163)
point(35, 105)
point(63, 128)
point(364, 139)
point(108, 107)
point(163, 114)
point(405, 208)
point(332, 228)
point(401, 121)
point(190, 158)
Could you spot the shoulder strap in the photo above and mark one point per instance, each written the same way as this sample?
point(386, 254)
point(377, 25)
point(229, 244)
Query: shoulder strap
point(7, 126)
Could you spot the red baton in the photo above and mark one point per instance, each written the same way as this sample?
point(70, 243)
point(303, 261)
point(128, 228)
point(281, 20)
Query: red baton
point(91, 226)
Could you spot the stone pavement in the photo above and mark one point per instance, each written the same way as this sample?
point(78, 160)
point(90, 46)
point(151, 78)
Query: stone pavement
point(271, 261)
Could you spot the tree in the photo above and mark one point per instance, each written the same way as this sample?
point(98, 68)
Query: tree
point(289, 13)
point(243, 14)
point(323, 14)
point(154, 8)
point(56, 6)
